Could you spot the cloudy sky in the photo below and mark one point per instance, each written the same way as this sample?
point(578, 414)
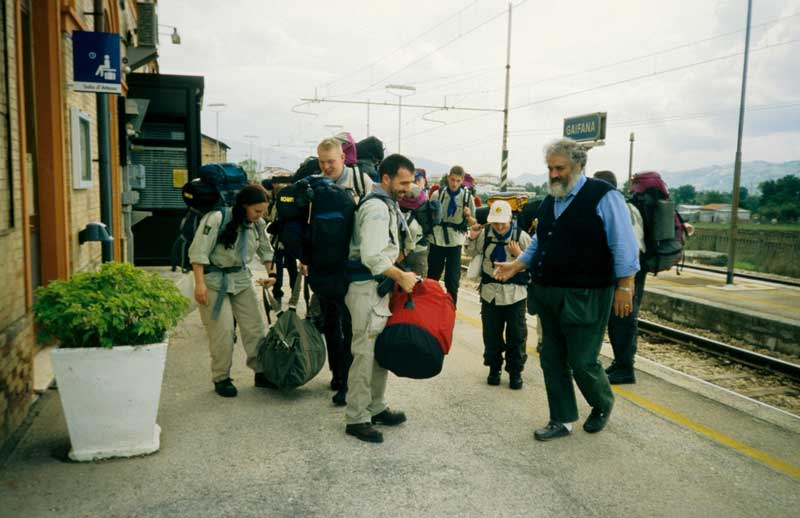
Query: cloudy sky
point(669, 71)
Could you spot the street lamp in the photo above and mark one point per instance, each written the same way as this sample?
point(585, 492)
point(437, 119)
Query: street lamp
point(175, 37)
point(217, 107)
point(400, 96)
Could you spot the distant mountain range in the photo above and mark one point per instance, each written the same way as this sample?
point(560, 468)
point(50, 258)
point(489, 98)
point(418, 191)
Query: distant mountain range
point(710, 178)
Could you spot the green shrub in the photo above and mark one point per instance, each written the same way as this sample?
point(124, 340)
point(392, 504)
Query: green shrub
point(116, 305)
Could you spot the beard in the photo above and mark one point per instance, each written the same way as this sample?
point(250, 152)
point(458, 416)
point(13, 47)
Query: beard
point(561, 187)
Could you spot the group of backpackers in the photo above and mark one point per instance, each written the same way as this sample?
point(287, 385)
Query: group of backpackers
point(347, 223)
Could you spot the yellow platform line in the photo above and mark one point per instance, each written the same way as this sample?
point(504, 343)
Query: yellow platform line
point(676, 417)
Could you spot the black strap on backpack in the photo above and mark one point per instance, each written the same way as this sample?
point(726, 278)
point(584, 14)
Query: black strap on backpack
point(358, 174)
point(521, 278)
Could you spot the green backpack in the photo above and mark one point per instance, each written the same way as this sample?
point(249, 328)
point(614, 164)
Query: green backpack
point(293, 352)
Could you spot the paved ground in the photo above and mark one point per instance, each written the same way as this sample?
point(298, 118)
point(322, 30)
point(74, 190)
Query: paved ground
point(467, 450)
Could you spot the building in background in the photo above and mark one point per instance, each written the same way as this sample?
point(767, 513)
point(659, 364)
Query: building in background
point(49, 153)
point(213, 150)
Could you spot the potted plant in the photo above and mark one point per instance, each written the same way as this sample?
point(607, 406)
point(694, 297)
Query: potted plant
point(111, 326)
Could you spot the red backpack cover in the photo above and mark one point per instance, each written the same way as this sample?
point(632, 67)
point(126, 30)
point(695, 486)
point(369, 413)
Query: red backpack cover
point(419, 333)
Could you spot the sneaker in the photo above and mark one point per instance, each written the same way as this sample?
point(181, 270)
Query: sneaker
point(225, 388)
point(340, 398)
point(515, 381)
point(389, 418)
point(597, 420)
point(364, 432)
point(621, 376)
point(553, 430)
point(261, 381)
point(494, 377)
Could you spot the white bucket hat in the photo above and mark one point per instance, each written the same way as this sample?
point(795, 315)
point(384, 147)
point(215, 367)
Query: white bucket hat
point(499, 212)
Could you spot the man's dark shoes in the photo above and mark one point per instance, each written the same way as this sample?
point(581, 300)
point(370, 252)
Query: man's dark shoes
point(364, 432)
point(340, 398)
point(494, 377)
point(515, 381)
point(225, 388)
point(621, 376)
point(553, 430)
point(261, 381)
point(596, 421)
point(389, 418)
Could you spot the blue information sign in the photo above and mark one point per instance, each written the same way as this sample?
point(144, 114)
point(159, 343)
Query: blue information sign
point(586, 127)
point(96, 62)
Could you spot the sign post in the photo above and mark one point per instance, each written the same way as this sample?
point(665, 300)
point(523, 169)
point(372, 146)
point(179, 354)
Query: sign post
point(96, 62)
point(584, 128)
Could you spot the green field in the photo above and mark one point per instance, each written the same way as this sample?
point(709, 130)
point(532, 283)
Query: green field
point(793, 227)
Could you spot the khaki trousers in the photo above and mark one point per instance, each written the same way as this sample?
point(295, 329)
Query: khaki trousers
point(246, 307)
point(366, 379)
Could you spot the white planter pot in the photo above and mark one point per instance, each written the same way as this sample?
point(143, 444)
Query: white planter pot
point(110, 399)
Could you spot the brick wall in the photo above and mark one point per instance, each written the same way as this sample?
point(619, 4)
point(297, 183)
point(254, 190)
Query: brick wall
point(16, 329)
point(84, 203)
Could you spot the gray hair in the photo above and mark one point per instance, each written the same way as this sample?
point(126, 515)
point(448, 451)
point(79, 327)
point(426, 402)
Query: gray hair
point(574, 152)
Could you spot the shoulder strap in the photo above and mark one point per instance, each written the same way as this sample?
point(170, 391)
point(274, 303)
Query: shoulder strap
point(358, 174)
point(486, 238)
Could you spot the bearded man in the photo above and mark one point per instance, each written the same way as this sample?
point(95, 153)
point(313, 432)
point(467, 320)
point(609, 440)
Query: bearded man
point(583, 259)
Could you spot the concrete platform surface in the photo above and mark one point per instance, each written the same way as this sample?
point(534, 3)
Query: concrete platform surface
point(745, 295)
point(467, 450)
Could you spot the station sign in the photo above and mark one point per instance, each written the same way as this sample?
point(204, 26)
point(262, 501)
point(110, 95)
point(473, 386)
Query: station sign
point(96, 62)
point(582, 128)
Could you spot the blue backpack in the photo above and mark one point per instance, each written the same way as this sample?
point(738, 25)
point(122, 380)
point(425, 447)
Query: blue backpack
point(215, 188)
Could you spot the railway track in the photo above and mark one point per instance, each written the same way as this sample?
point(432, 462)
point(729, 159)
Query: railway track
point(717, 348)
point(784, 281)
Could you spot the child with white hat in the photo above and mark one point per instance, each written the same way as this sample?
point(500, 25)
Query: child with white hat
point(503, 304)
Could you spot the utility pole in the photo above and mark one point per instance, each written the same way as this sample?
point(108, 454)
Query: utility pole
point(504, 157)
point(217, 107)
point(400, 108)
point(630, 162)
point(737, 167)
point(104, 150)
point(252, 138)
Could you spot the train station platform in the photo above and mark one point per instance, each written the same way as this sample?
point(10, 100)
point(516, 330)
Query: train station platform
point(761, 313)
point(466, 450)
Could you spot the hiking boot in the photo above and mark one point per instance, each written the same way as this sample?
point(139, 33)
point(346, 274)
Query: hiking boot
point(515, 381)
point(553, 430)
point(389, 418)
point(225, 388)
point(621, 376)
point(340, 398)
point(597, 420)
point(261, 381)
point(494, 377)
point(364, 432)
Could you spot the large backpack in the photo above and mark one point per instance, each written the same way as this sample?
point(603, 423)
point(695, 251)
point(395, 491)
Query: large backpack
point(214, 188)
point(419, 333)
point(428, 215)
point(370, 148)
point(315, 220)
point(663, 228)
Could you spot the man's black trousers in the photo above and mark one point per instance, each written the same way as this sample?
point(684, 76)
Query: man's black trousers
point(338, 330)
point(447, 259)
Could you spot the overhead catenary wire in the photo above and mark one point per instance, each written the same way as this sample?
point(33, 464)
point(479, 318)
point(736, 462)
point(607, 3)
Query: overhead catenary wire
point(401, 47)
point(626, 60)
point(429, 54)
